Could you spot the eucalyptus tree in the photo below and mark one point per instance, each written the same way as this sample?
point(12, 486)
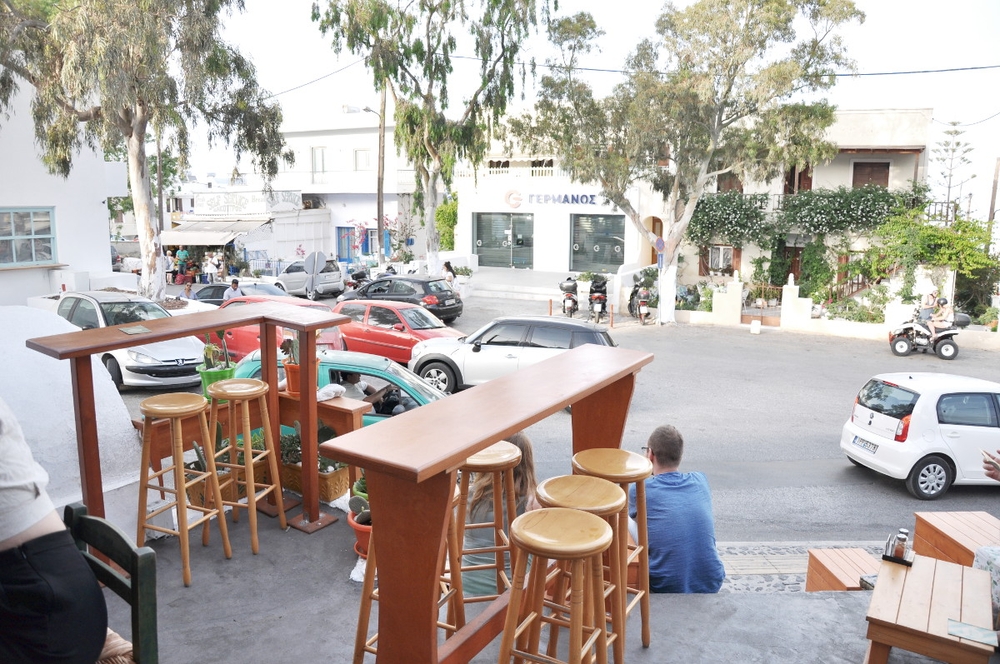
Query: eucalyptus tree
point(725, 89)
point(410, 46)
point(104, 71)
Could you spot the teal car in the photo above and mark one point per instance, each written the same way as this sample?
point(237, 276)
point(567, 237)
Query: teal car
point(406, 391)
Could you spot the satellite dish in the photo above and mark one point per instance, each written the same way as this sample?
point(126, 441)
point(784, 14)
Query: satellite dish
point(313, 264)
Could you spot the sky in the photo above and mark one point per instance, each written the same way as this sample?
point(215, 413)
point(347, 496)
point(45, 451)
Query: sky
point(296, 63)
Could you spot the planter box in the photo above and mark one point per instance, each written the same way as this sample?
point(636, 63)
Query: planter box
point(209, 376)
point(231, 492)
point(332, 485)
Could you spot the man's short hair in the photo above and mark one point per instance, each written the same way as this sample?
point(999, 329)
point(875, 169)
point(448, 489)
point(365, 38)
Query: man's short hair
point(667, 445)
point(236, 282)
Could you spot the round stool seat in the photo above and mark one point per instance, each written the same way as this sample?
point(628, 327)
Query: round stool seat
point(613, 464)
point(498, 456)
point(560, 533)
point(582, 492)
point(237, 389)
point(176, 404)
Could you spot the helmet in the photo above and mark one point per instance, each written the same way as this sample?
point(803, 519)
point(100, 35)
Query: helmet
point(942, 301)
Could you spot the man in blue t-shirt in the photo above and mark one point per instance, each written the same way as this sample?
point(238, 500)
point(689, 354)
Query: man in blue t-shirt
point(682, 553)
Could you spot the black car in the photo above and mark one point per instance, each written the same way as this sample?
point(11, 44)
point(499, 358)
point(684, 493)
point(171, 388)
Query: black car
point(432, 293)
point(213, 294)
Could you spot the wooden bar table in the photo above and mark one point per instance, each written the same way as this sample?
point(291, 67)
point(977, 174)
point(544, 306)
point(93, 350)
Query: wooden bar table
point(79, 346)
point(411, 461)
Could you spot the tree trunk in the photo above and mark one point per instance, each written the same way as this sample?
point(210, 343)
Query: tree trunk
point(430, 220)
point(152, 283)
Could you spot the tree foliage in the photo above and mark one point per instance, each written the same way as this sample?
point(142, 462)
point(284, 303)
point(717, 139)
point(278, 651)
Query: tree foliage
point(446, 218)
point(103, 71)
point(731, 218)
point(409, 46)
point(841, 210)
point(720, 91)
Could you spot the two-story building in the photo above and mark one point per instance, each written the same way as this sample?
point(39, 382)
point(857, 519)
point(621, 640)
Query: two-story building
point(53, 230)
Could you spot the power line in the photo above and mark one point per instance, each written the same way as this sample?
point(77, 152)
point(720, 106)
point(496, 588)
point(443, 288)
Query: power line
point(970, 124)
point(316, 80)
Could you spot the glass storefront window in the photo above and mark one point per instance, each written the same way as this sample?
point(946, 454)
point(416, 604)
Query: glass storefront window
point(598, 242)
point(504, 240)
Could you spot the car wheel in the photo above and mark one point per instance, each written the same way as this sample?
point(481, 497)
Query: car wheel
point(279, 285)
point(439, 375)
point(930, 478)
point(901, 346)
point(312, 294)
point(947, 349)
point(111, 364)
point(449, 321)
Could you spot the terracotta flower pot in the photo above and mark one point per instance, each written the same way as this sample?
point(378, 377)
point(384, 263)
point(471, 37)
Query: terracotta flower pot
point(291, 377)
point(363, 535)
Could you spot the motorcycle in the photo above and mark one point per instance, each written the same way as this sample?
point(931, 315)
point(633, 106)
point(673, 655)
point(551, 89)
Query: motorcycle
point(598, 299)
point(915, 334)
point(358, 279)
point(638, 302)
point(570, 304)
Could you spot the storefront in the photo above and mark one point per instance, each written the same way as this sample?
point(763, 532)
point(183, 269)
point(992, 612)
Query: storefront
point(542, 223)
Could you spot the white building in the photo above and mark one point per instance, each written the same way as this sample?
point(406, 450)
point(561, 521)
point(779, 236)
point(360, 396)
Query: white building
point(523, 211)
point(53, 230)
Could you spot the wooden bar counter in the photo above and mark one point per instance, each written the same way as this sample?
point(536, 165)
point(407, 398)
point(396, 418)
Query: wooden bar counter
point(79, 346)
point(411, 461)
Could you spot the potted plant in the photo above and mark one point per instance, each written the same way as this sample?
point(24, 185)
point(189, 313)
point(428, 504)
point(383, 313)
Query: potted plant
point(290, 347)
point(360, 519)
point(216, 365)
point(463, 275)
point(334, 478)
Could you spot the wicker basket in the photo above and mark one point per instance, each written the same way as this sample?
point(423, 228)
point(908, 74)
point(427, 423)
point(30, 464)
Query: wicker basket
point(332, 485)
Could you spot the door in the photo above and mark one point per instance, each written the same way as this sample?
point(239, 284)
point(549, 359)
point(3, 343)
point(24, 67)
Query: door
point(968, 423)
point(544, 342)
point(498, 353)
point(794, 257)
point(387, 335)
point(505, 240)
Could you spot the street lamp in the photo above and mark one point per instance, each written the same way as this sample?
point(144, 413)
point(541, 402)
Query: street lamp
point(381, 178)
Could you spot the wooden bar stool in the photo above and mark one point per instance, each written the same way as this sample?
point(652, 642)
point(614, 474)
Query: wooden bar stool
point(177, 407)
point(451, 595)
point(608, 501)
point(623, 468)
point(557, 534)
point(499, 460)
point(239, 392)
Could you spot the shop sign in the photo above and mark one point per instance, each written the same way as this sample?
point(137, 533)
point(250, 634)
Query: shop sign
point(514, 199)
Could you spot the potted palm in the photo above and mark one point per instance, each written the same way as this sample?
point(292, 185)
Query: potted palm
point(216, 365)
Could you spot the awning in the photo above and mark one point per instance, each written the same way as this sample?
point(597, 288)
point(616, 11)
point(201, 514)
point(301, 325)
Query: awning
point(209, 233)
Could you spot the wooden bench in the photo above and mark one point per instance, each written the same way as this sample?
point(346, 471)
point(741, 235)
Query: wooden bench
point(954, 536)
point(838, 569)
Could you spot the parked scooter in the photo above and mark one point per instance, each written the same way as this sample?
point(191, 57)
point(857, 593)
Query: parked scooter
point(598, 299)
point(358, 279)
point(915, 334)
point(638, 301)
point(570, 304)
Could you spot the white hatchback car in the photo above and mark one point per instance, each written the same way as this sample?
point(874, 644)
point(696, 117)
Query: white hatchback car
point(925, 428)
point(294, 280)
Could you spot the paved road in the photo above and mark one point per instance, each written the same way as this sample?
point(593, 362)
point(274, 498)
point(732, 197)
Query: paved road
point(761, 416)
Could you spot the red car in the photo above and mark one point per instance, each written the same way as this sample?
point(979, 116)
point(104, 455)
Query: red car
point(242, 341)
point(389, 329)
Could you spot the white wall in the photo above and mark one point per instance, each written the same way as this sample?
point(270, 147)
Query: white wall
point(80, 214)
point(38, 389)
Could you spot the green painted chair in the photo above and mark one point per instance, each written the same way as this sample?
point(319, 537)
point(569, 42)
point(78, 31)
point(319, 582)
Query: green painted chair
point(139, 563)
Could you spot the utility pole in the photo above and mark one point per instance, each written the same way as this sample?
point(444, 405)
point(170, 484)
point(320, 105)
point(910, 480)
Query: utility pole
point(993, 204)
point(380, 204)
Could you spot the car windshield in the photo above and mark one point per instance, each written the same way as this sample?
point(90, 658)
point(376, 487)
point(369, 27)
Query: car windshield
point(438, 286)
point(413, 383)
point(887, 398)
point(263, 289)
point(120, 313)
point(419, 318)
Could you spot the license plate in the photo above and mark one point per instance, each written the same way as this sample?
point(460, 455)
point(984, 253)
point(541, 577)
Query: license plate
point(597, 308)
point(643, 309)
point(449, 302)
point(866, 445)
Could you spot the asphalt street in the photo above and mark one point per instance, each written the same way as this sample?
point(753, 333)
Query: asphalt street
point(761, 416)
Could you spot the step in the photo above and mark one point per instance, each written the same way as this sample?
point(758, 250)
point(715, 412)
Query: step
point(512, 292)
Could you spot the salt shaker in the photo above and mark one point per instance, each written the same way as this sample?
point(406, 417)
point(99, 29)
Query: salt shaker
point(902, 541)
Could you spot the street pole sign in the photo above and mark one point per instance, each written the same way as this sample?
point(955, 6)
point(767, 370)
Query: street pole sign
point(313, 264)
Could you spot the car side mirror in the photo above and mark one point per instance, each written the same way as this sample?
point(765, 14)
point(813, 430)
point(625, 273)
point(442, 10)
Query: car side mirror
point(398, 327)
point(476, 347)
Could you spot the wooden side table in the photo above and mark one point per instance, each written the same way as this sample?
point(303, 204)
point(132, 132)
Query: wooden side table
point(911, 606)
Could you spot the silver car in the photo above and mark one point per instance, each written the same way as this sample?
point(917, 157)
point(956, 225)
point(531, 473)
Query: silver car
point(160, 364)
point(294, 279)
